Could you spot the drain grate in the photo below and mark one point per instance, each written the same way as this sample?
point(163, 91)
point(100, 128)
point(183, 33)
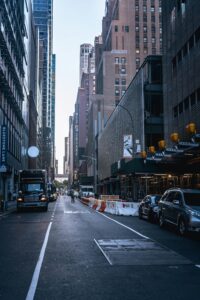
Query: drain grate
point(139, 252)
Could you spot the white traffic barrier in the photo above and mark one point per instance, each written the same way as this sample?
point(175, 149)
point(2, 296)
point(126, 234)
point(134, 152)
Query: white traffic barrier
point(111, 207)
point(127, 208)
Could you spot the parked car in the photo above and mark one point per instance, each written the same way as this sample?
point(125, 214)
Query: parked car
point(180, 207)
point(149, 207)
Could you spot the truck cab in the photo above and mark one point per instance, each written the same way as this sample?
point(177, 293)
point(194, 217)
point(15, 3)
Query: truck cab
point(32, 189)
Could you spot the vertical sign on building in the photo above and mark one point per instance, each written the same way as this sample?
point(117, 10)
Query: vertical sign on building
point(4, 148)
point(128, 146)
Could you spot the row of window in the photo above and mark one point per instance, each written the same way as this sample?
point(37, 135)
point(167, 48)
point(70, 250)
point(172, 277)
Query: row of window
point(137, 2)
point(145, 18)
point(118, 81)
point(14, 139)
point(152, 9)
point(185, 50)
point(188, 102)
point(124, 28)
point(118, 90)
point(145, 29)
point(120, 60)
point(120, 70)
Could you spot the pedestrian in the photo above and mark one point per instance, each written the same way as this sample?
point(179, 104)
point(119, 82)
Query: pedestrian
point(72, 197)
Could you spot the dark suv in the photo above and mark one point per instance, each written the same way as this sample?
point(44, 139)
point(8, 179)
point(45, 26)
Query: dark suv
point(180, 207)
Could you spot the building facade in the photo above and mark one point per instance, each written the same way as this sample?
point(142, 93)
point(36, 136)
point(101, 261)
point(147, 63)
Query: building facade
point(181, 66)
point(85, 50)
point(139, 114)
point(43, 16)
point(131, 30)
point(13, 116)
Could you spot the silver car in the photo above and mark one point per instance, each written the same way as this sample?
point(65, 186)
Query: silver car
point(180, 207)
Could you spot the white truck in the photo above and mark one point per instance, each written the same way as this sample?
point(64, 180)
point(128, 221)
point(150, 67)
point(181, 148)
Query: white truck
point(86, 191)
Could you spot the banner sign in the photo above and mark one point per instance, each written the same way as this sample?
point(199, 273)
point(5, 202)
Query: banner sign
point(128, 146)
point(4, 145)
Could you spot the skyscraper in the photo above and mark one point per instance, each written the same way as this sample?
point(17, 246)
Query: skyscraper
point(85, 50)
point(43, 16)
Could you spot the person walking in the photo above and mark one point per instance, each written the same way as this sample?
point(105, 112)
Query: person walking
point(72, 197)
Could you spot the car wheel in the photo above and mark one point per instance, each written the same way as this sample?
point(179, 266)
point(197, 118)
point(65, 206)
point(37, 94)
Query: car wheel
point(182, 228)
point(161, 221)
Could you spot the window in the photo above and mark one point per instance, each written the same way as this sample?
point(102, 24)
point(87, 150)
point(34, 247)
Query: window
point(117, 60)
point(185, 50)
point(174, 63)
point(197, 35)
point(136, 28)
point(191, 42)
point(198, 95)
point(179, 56)
point(145, 28)
point(123, 60)
point(116, 81)
point(126, 28)
point(192, 99)
point(180, 107)
point(123, 70)
point(175, 111)
point(186, 103)
point(123, 81)
point(116, 91)
point(116, 28)
point(137, 50)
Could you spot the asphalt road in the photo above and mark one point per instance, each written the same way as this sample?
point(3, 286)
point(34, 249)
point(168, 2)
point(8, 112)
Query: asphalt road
point(73, 252)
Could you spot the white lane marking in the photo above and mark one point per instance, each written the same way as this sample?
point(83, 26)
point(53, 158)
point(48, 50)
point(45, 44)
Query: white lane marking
point(76, 212)
point(106, 256)
point(129, 228)
point(34, 282)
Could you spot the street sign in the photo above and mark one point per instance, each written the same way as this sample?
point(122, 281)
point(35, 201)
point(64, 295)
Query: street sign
point(4, 144)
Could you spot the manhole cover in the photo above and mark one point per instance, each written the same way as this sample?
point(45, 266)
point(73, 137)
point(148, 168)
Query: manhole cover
point(139, 252)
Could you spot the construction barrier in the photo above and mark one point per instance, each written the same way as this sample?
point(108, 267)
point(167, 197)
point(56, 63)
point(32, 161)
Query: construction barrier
point(110, 197)
point(127, 208)
point(112, 207)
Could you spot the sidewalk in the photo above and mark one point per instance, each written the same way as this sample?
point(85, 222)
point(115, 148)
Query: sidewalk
point(10, 206)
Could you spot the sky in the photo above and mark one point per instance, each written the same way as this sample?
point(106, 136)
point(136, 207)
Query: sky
point(75, 22)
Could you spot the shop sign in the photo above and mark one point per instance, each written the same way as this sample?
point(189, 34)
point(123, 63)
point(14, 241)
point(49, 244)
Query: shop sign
point(128, 146)
point(4, 146)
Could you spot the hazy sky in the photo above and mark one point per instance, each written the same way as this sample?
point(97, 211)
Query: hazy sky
point(75, 22)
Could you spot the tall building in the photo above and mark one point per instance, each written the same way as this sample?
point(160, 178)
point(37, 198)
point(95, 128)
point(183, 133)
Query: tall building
point(53, 100)
point(66, 158)
point(43, 16)
point(13, 95)
point(85, 50)
point(131, 30)
point(181, 66)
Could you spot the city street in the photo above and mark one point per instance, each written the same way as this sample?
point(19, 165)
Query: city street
point(74, 252)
